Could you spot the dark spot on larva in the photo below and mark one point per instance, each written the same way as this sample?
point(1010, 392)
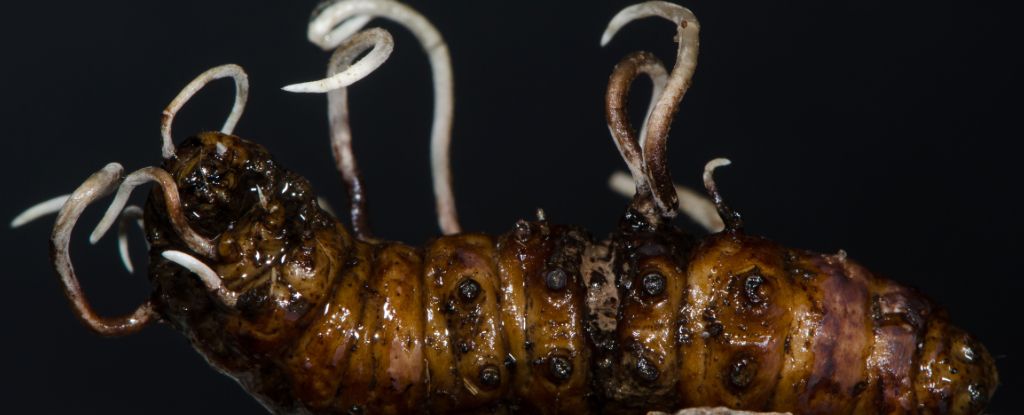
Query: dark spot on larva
point(449, 307)
point(683, 24)
point(490, 376)
point(859, 388)
point(251, 304)
point(521, 231)
point(463, 347)
point(469, 290)
point(752, 288)
point(654, 283)
point(743, 371)
point(785, 345)
point(713, 329)
point(555, 279)
point(355, 410)
point(560, 367)
point(646, 370)
point(876, 309)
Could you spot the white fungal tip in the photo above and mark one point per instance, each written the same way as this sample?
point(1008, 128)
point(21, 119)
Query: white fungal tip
point(709, 181)
point(221, 149)
point(325, 206)
point(122, 246)
point(676, 13)
point(714, 164)
point(42, 209)
point(129, 214)
point(263, 199)
point(383, 45)
point(207, 275)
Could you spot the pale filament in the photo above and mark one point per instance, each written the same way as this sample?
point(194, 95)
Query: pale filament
point(40, 210)
point(207, 275)
point(129, 214)
point(241, 95)
point(381, 42)
point(335, 22)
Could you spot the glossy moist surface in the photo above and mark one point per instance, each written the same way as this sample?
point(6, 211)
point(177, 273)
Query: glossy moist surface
point(544, 319)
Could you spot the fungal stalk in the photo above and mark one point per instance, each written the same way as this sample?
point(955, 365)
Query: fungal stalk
point(663, 202)
point(335, 21)
point(96, 186)
point(241, 95)
point(129, 214)
point(732, 219)
point(341, 73)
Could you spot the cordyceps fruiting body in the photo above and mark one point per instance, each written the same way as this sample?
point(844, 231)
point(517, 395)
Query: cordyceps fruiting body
point(277, 293)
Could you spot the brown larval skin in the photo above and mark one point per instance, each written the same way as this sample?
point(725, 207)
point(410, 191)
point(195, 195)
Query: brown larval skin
point(544, 319)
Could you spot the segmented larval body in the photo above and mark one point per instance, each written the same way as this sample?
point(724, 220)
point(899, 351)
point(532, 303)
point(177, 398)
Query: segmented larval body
point(544, 319)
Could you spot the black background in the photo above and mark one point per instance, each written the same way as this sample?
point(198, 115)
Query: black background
point(891, 130)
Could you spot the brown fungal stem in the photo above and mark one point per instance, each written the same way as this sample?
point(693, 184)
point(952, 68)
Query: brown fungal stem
point(96, 186)
point(341, 131)
point(662, 191)
point(733, 221)
point(627, 70)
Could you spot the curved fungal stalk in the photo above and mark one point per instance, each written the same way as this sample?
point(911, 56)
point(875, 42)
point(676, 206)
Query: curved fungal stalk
point(241, 95)
point(144, 175)
point(96, 186)
point(40, 210)
point(209, 277)
point(381, 42)
point(341, 73)
point(627, 70)
point(129, 214)
point(692, 204)
point(335, 21)
point(733, 221)
point(659, 79)
point(660, 119)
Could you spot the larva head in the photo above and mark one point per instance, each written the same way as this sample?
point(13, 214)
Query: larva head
point(275, 251)
point(220, 178)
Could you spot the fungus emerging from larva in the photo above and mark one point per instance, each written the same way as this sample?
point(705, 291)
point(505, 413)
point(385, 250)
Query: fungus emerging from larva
point(274, 291)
